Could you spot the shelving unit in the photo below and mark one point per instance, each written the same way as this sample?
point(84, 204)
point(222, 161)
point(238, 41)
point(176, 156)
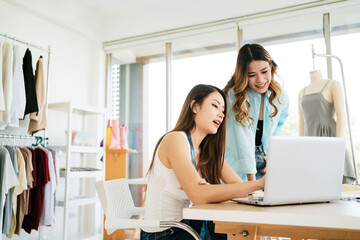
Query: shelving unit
point(70, 175)
point(82, 174)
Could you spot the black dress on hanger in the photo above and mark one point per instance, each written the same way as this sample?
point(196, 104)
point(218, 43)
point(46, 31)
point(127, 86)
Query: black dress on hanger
point(31, 99)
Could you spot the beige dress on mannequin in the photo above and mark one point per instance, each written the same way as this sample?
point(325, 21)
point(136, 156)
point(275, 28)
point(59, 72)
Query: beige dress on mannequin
point(318, 103)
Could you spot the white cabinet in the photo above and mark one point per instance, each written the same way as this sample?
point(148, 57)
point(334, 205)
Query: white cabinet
point(77, 172)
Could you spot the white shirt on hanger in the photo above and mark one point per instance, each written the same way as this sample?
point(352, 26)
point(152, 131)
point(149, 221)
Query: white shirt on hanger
point(19, 98)
point(7, 75)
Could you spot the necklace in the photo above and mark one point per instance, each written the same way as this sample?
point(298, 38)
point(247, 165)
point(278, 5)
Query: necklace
point(191, 147)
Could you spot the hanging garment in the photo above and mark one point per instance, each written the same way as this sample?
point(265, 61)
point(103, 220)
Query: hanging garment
point(53, 153)
point(9, 196)
point(18, 190)
point(31, 100)
point(23, 199)
point(319, 121)
point(47, 214)
point(21, 173)
point(2, 101)
point(7, 77)
point(38, 120)
point(26, 225)
point(8, 179)
point(19, 97)
point(32, 220)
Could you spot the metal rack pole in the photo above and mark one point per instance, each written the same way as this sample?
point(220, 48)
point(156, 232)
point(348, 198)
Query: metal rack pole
point(25, 42)
point(346, 104)
point(47, 90)
point(14, 136)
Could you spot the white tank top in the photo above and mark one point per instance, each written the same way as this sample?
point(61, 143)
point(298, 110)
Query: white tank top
point(164, 201)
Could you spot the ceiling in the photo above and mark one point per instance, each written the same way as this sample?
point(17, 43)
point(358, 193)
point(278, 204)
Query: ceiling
point(109, 7)
point(108, 20)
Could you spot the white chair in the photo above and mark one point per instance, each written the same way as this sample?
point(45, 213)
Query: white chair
point(118, 206)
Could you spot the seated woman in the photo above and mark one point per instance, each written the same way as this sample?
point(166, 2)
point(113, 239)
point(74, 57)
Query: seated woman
point(193, 150)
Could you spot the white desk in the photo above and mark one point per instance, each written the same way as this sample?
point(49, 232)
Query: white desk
point(335, 220)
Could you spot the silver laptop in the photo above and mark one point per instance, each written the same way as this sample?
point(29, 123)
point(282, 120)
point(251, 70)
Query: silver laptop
point(302, 170)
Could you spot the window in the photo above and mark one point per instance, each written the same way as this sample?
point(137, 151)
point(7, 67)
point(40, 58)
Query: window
point(294, 62)
point(156, 105)
point(115, 93)
point(214, 69)
point(210, 58)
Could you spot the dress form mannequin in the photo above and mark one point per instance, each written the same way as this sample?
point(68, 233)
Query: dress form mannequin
point(332, 93)
point(318, 102)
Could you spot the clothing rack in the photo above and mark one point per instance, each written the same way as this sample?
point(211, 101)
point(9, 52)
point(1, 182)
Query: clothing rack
point(346, 103)
point(39, 140)
point(28, 44)
point(47, 71)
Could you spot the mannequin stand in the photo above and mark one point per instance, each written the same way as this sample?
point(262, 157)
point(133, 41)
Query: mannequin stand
point(346, 105)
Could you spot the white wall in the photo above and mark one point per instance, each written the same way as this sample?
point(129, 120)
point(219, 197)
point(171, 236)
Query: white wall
point(76, 62)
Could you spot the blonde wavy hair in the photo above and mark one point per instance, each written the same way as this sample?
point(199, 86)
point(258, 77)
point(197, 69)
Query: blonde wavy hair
point(239, 81)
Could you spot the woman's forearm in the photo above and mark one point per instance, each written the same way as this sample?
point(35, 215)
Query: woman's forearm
point(251, 177)
point(222, 192)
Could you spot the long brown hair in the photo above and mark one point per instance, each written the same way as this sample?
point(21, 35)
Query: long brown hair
point(239, 81)
point(212, 147)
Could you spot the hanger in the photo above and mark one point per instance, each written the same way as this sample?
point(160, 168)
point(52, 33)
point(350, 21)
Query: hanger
point(39, 141)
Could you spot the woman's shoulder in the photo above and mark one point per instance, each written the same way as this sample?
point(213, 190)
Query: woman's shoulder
point(230, 95)
point(174, 137)
point(230, 91)
point(176, 134)
point(174, 142)
point(284, 100)
point(284, 95)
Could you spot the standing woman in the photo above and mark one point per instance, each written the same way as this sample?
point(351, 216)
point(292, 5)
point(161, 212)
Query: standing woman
point(258, 108)
point(193, 150)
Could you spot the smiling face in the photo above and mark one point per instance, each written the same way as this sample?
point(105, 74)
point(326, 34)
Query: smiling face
point(210, 114)
point(259, 76)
